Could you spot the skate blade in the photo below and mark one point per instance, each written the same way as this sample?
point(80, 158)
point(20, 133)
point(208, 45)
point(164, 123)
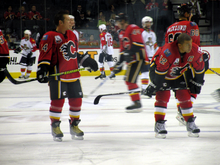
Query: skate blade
point(138, 110)
point(160, 136)
point(181, 122)
point(190, 134)
point(58, 139)
point(74, 137)
point(145, 97)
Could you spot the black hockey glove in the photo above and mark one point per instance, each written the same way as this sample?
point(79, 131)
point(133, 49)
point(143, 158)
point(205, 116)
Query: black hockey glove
point(3, 63)
point(17, 50)
point(195, 87)
point(206, 60)
point(150, 90)
point(87, 61)
point(118, 67)
point(29, 55)
point(42, 71)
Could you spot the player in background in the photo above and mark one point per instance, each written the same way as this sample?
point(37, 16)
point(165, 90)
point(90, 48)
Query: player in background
point(150, 43)
point(133, 53)
point(4, 56)
point(58, 53)
point(106, 49)
point(191, 28)
point(73, 24)
point(168, 72)
point(28, 49)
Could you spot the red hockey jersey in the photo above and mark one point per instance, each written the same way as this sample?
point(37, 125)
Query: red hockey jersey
point(58, 51)
point(4, 51)
point(174, 30)
point(170, 63)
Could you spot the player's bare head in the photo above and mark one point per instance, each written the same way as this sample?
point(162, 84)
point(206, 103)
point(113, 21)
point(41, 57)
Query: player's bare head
point(121, 20)
point(60, 16)
point(184, 43)
point(147, 22)
point(184, 11)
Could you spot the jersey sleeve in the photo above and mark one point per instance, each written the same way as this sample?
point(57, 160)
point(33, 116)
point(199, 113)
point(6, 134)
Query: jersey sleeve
point(4, 51)
point(34, 45)
point(45, 49)
point(102, 40)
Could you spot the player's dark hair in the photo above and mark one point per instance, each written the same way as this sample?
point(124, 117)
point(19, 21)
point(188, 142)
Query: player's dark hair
point(183, 37)
point(60, 16)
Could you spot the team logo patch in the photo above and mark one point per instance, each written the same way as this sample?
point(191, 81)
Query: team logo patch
point(162, 60)
point(58, 39)
point(176, 71)
point(45, 37)
point(193, 24)
point(69, 50)
point(167, 52)
point(190, 58)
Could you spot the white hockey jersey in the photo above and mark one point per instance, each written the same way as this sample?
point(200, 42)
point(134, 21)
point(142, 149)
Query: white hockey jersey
point(150, 42)
point(77, 34)
point(28, 46)
point(106, 43)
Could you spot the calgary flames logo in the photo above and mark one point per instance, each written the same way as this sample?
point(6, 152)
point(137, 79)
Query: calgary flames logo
point(176, 71)
point(69, 50)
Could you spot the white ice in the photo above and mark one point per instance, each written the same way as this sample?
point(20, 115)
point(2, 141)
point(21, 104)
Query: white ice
point(112, 136)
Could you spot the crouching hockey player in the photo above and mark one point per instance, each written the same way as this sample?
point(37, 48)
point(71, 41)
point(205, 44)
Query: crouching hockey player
point(58, 53)
point(169, 71)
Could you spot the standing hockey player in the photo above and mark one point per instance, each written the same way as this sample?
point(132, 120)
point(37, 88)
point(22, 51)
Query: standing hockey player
point(150, 43)
point(4, 56)
point(28, 49)
point(72, 27)
point(106, 49)
point(133, 53)
point(58, 53)
point(191, 28)
point(168, 72)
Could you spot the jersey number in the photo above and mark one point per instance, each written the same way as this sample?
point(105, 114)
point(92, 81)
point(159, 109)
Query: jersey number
point(172, 37)
point(45, 47)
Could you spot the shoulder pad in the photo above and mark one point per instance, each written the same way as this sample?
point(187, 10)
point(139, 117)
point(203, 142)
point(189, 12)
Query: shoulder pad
point(193, 24)
point(167, 52)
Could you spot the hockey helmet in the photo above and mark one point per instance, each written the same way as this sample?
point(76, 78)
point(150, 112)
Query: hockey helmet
point(102, 27)
point(185, 7)
point(27, 32)
point(146, 19)
point(120, 17)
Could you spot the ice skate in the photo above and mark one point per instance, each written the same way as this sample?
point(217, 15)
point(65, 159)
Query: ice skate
point(143, 95)
point(76, 133)
point(101, 76)
point(22, 76)
point(26, 77)
point(56, 132)
point(193, 130)
point(180, 117)
point(135, 107)
point(112, 77)
point(159, 129)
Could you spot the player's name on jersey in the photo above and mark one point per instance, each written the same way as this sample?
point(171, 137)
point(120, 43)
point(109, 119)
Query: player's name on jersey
point(177, 28)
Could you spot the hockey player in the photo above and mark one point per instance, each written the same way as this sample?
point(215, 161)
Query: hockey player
point(106, 49)
point(4, 56)
point(58, 53)
point(72, 26)
point(28, 49)
point(150, 43)
point(191, 28)
point(168, 72)
point(133, 53)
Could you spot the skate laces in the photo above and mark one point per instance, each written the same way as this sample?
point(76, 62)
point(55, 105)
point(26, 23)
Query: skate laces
point(160, 126)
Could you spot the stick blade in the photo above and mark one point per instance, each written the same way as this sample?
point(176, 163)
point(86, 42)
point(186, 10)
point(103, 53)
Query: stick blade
point(96, 101)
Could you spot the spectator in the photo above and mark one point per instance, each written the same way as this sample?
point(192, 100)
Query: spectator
point(151, 5)
point(152, 10)
point(33, 14)
point(77, 13)
point(82, 22)
point(92, 42)
point(195, 11)
point(9, 16)
point(101, 20)
point(82, 40)
point(165, 14)
point(218, 39)
point(22, 14)
point(111, 11)
point(90, 18)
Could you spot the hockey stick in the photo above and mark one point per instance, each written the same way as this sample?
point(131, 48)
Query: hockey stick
point(29, 80)
point(96, 101)
point(103, 82)
point(214, 71)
